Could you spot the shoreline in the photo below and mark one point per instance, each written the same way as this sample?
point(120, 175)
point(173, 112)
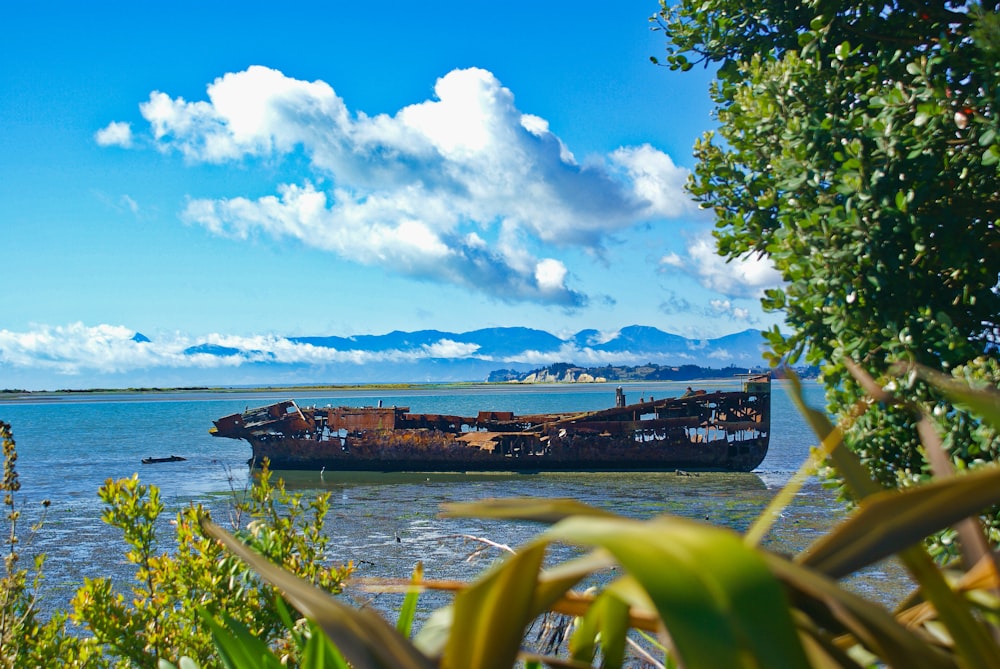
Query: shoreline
point(10, 396)
point(153, 390)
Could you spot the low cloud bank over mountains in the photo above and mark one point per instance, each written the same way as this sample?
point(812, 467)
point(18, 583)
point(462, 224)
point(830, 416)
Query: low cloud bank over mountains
point(78, 356)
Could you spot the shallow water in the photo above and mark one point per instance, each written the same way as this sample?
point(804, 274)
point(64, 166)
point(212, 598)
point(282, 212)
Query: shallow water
point(69, 446)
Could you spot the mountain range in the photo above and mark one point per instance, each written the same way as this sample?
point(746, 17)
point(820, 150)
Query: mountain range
point(435, 355)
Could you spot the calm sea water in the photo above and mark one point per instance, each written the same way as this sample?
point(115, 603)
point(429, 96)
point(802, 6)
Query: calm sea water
point(69, 446)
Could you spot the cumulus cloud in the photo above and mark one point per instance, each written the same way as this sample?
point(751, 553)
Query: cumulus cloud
point(746, 277)
point(455, 188)
point(115, 133)
point(656, 180)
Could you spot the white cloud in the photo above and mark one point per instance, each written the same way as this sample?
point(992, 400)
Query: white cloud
point(115, 133)
point(446, 348)
point(656, 180)
point(672, 260)
point(452, 189)
point(726, 307)
point(746, 277)
point(69, 349)
point(550, 275)
point(78, 349)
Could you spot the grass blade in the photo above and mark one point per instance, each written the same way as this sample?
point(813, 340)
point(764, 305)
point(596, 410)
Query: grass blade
point(409, 608)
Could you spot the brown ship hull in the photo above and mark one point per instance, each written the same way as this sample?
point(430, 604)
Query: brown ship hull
point(722, 431)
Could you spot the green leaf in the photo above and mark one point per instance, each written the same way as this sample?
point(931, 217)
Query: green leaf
point(717, 598)
point(607, 622)
point(991, 156)
point(320, 653)
point(409, 608)
point(491, 615)
point(888, 522)
point(238, 647)
point(868, 622)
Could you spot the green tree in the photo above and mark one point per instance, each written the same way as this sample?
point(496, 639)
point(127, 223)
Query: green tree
point(858, 150)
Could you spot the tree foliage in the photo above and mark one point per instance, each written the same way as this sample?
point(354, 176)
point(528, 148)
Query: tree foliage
point(858, 149)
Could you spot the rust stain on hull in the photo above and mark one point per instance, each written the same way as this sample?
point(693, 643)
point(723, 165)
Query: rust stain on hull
point(720, 431)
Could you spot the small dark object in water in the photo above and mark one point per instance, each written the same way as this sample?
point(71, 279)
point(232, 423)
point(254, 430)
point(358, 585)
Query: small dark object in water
point(153, 461)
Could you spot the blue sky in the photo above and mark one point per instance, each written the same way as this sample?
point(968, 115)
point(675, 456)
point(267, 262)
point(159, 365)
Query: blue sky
point(233, 172)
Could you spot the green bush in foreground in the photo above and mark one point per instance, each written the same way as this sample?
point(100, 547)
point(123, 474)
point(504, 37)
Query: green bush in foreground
point(176, 594)
point(684, 594)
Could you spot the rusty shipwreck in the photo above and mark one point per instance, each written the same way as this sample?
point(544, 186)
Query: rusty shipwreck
point(699, 431)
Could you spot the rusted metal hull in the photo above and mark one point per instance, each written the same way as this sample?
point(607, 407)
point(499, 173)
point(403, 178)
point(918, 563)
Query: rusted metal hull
point(723, 431)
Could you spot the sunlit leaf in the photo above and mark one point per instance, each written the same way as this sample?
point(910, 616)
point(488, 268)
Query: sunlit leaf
point(720, 603)
point(888, 522)
point(869, 623)
point(409, 608)
point(489, 618)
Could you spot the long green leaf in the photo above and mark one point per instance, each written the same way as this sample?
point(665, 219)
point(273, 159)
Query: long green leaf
point(238, 648)
point(365, 639)
point(490, 616)
point(872, 625)
point(409, 608)
point(319, 652)
point(717, 598)
point(857, 480)
point(972, 641)
point(607, 622)
point(888, 522)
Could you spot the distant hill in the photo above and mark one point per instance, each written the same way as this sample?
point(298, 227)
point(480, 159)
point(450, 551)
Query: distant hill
point(568, 373)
